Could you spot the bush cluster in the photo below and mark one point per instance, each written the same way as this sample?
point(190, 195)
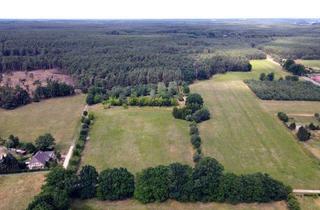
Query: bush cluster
point(195, 140)
point(86, 120)
point(193, 110)
point(11, 98)
point(285, 90)
point(267, 77)
point(283, 117)
point(292, 202)
point(142, 101)
point(294, 68)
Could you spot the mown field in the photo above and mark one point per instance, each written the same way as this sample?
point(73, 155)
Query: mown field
point(246, 138)
point(17, 190)
point(136, 138)
point(134, 205)
point(59, 116)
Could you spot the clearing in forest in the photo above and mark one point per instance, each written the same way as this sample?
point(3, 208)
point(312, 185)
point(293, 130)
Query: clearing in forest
point(245, 138)
point(136, 138)
point(58, 116)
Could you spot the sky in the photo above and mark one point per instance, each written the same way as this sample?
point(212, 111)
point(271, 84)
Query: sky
point(157, 9)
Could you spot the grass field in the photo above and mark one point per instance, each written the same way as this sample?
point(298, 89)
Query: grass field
point(311, 63)
point(58, 116)
point(246, 138)
point(134, 205)
point(17, 190)
point(136, 138)
point(260, 66)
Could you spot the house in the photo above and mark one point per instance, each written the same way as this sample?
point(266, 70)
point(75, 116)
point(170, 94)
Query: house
point(40, 159)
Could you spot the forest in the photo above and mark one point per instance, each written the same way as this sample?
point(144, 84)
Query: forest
point(113, 53)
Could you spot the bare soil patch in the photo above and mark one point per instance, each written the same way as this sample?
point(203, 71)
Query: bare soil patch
point(30, 79)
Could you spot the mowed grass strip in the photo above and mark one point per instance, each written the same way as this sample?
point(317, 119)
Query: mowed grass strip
point(136, 138)
point(58, 116)
point(246, 138)
point(18, 190)
point(135, 205)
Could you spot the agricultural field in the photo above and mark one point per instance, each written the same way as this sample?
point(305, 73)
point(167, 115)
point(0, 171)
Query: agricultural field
point(17, 190)
point(245, 138)
point(134, 205)
point(59, 116)
point(136, 138)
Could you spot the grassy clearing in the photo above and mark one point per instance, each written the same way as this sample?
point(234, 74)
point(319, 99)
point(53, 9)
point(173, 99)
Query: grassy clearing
point(309, 203)
point(259, 66)
point(17, 190)
point(136, 138)
point(58, 116)
point(245, 138)
point(311, 63)
point(134, 205)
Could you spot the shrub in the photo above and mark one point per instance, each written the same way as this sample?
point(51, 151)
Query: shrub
point(292, 78)
point(195, 141)
point(292, 202)
point(196, 157)
point(85, 113)
point(303, 134)
point(180, 185)
point(88, 178)
point(201, 115)
point(206, 177)
point(292, 126)
point(194, 98)
point(115, 184)
point(193, 130)
point(45, 142)
point(283, 117)
point(152, 184)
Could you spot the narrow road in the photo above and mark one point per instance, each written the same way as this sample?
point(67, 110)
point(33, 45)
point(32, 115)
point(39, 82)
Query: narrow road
point(69, 154)
point(306, 192)
point(310, 80)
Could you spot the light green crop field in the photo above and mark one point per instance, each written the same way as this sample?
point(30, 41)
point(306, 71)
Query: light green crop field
point(246, 138)
point(136, 138)
point(135, 205)
point(18, 190)
point(58, 116)
point(260, 66)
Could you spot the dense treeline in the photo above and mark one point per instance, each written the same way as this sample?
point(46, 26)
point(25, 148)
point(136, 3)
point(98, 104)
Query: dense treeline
point(53, 89)
point(11, 98)
point(206, 182)
point(285, 90)
point(139, 95)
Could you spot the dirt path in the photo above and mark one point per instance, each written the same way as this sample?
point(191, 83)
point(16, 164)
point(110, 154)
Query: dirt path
point(269, 58)
point(69, 154)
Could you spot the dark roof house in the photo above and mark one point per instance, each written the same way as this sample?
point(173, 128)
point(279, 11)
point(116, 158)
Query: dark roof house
point(39, 160)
